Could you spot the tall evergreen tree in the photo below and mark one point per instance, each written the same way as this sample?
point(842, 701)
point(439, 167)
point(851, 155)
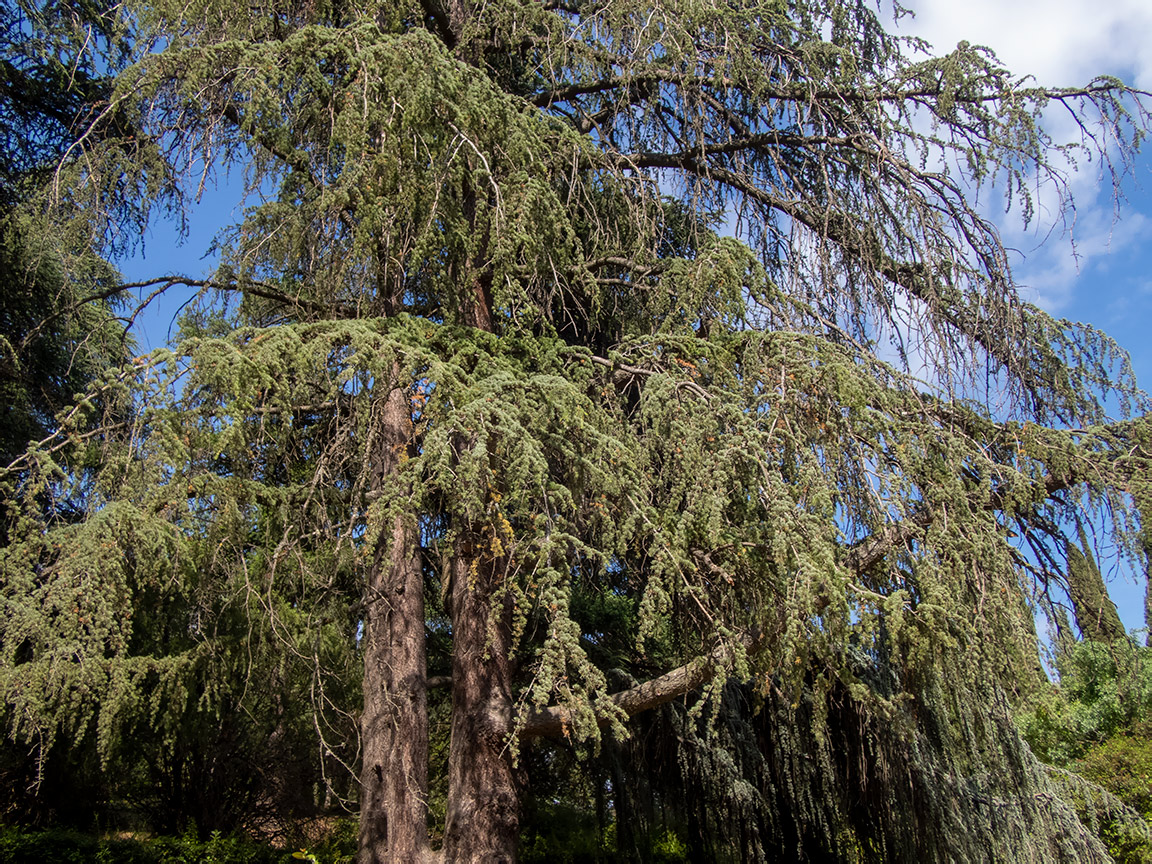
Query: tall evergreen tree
point(543, 302)
point(58, 293)
point(56, 65)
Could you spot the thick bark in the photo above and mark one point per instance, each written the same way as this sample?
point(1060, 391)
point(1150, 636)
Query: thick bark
point(483, 818)
point(483, 797)
point(551, 722)
point(394, 726)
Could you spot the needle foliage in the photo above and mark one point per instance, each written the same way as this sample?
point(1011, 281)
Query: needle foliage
point(714, 372)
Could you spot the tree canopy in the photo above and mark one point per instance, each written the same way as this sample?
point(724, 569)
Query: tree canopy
point(585, 358)
point(51, 345)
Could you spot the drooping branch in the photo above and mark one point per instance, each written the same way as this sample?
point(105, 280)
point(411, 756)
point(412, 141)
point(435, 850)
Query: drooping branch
point(961, 313)
point(294, 159)
point(626, 372)
point(554, 721)
point(872, 549)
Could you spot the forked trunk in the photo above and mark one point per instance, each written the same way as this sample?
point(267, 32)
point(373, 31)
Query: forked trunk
point(394, 725)
point(483, 799)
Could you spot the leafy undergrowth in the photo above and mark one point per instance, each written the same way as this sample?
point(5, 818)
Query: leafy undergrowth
point(56, 846)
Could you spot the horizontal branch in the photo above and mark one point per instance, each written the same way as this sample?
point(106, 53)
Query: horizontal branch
point(627, 263)
point(846, 232)
point(801, 93)
point(872, 549)
point(256, 289)
point(867, 552)
point(660, 159)
point(553, 722)
point(163, 283)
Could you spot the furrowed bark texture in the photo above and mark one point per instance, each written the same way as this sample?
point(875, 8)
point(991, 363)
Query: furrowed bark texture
point(483, 797)
point(483, 818)
point(394, 726)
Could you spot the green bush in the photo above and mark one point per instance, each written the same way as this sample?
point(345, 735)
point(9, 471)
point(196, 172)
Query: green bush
point(1104, 690)
point(1123, 765)
point(19, 846)
point(562, 835)
point(1094, 723)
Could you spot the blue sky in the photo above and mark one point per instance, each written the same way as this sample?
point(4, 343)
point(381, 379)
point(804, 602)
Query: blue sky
point(1097, 271)
point(1113, 291)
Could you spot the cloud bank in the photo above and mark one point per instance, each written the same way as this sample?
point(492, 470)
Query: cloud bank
point(1059, 43)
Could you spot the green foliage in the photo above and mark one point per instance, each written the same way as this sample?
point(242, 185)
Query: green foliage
point(1123, 765)
point(651, 447)
point(1126, 847)
point(64, 847)
point(1104, 691)
point(50, 349)
point(567, 834)
point(55, 64)
point(1094, 723)
point(564, 834)
point(668, 848)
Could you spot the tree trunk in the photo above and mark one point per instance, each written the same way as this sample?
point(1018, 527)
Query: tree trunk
point(394, 726)
point(483, 821)
point(1145, 508)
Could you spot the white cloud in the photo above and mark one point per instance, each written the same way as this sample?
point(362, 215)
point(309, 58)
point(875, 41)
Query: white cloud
point(1067, 43)
point(1060, 42)
point(1050, 274)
